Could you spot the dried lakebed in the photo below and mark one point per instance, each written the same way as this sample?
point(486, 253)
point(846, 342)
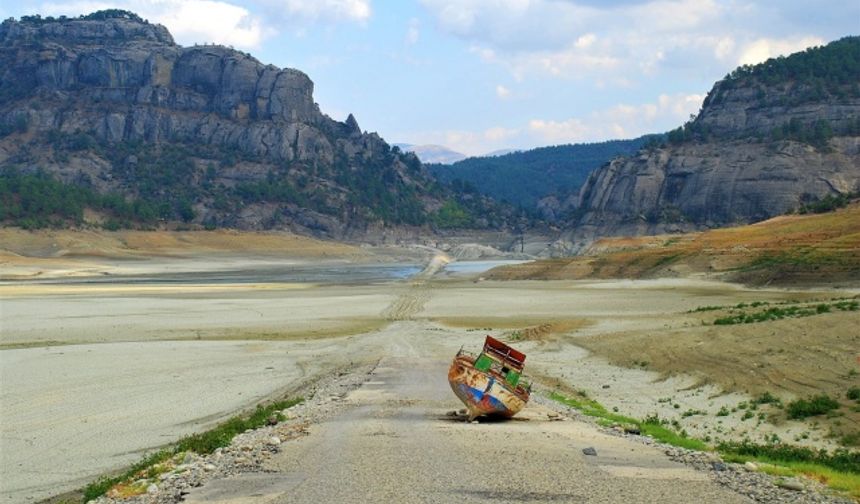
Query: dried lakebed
point(119, 374)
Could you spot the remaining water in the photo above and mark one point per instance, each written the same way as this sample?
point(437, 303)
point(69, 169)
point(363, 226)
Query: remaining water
point(320, 273)
point(475, 267)
point(325, 273)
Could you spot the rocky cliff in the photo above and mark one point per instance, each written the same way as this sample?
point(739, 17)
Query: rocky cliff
point(768, 139)
point(205, 134)
point(127, 80)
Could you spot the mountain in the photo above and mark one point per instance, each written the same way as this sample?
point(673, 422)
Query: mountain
point(432, 153)
point(538, 179)
point(104, 119)
point(768, 139)
point(500, 152)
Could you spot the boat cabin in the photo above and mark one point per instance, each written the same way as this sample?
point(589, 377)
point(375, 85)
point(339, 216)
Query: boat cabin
point(502, 360)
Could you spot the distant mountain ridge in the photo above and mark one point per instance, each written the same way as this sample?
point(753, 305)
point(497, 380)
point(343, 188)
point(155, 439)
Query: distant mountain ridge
point(539, 179)
point(768, 139)
point(432, 153)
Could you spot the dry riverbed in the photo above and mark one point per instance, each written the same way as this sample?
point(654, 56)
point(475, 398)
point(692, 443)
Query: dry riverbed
point(139, 365)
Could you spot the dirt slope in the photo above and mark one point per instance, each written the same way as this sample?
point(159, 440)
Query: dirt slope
point(793, 248)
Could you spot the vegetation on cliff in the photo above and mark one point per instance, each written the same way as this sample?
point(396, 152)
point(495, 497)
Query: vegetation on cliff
point(171, 182)
point(831, 69)
point(816, 75)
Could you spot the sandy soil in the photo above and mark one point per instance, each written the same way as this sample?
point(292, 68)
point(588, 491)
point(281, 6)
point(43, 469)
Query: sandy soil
point(141, 387)
point(79, 253)
point(790, 358)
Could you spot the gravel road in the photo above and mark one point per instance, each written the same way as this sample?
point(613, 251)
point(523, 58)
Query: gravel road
point(394, 442)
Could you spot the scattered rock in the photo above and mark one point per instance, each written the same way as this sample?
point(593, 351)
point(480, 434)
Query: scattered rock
point(152, 488)
point(272, 420)
point(589, 451)
point(790, 485)
point(632, 429)
point(606, 386)
point(713, 456)
point(751, 466)
point(274, 441)
point(719, 466)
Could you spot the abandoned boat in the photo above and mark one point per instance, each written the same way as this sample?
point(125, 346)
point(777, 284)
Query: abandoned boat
point(490, 383)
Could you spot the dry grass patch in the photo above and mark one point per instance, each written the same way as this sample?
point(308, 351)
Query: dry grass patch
point(324, 329)
point(518, 328)
point(119, 244)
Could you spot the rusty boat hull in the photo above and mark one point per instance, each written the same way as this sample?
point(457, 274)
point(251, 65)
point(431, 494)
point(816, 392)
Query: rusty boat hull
point(482, 392)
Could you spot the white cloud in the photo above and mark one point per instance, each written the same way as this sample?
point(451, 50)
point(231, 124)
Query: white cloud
point(619, 121)
point(616, 122)
point(192, 21)
point(324, 10)
point(556, 132)
point(502, 92)
point(223, 22)
point(207, 20)
point(626, 43)
point(675, 16)
point(724, 48)
point(499, 134)
point(585, 41)
point(571, 40)
point(764, 48)
point(413, 32)
point(471, 143)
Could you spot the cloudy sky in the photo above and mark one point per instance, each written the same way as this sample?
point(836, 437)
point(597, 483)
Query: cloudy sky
point(481, 75)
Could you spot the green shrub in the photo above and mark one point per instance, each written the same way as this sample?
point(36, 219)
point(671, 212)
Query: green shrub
point(853, 394)
point(841, 459)
point(813, 406)
point(202, 443)
point(767, 398)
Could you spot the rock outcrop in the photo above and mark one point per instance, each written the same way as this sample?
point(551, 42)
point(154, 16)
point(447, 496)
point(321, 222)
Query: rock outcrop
point(207, 134)
point(127, 80)
point(760, 147)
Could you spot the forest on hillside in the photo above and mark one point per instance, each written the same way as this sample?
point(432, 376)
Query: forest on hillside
point(523, 178)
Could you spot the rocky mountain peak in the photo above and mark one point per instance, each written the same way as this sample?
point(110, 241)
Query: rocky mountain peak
point(352, 125)
point(101, 30)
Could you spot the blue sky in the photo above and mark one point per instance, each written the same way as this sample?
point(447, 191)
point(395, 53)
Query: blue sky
point(481, 75)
